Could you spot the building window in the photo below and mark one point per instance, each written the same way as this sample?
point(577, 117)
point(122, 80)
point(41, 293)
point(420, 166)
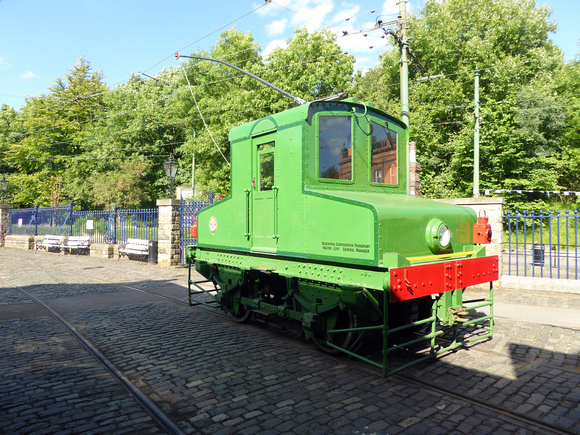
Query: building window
point(383, 154)
point(335, 147)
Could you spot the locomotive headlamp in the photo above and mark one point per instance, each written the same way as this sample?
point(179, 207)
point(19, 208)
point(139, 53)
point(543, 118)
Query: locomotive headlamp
point(444, 235)
point(438, 236)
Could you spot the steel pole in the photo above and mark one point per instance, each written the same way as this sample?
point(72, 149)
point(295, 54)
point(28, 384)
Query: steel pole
point(476, 137)
point(404, 81)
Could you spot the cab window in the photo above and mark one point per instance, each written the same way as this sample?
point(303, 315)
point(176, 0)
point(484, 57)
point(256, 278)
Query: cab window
point(383, 154)
point(266, 162)
point(335, 147)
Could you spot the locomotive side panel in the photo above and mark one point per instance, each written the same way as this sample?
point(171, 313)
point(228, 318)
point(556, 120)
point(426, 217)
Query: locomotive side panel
point(339, 230)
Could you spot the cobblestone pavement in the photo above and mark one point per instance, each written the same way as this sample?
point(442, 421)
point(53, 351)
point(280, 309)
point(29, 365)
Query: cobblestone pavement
point(211, 375)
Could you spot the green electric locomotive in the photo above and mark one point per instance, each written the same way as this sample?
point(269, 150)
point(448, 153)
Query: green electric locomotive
point(320, 228)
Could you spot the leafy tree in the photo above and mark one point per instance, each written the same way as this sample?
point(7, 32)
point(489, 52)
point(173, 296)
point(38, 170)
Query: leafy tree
point(568, 89)
point(144, 121)
point(52, 134)
point(520, 135)
point(124, 186)
point(219, 99)
point(10, 125)
point(312, 66)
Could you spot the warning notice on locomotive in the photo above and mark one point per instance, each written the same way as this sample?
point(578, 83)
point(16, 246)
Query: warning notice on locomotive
point(346, 247)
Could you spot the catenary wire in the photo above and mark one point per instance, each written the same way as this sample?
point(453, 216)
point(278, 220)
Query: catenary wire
point(201, 115)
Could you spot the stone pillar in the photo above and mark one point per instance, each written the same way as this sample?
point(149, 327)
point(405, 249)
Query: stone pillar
point(493, 207)
point(414, 170)
point(168, 241)
point(4, 217)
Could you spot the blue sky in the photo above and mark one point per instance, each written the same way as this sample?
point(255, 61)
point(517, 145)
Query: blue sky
point(40, 39)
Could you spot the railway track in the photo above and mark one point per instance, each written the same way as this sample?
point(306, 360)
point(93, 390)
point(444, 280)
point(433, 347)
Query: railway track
point(147, 404)
point(507, 414)
point(520, 420)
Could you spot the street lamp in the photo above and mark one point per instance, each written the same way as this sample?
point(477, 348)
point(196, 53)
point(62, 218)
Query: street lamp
point(3, 187)
point(170, 171)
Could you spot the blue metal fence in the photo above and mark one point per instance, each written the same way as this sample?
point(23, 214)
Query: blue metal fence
point(45, 220)
point(539, 244)
point(187, 211)
point(103, 226)
point(116, 226)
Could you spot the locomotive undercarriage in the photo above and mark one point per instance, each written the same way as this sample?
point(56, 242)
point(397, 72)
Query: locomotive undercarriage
point(355, 320)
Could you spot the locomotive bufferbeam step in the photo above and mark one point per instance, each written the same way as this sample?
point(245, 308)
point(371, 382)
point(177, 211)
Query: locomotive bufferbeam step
point(198, 290)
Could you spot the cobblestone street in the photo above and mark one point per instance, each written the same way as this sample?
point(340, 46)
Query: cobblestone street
point(211, 375)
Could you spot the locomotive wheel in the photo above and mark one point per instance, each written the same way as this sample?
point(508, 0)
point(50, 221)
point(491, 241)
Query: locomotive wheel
point(337, 319)
point(244, 311)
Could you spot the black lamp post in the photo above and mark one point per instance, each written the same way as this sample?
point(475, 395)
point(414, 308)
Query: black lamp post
point(3, 187)
point(171, 171)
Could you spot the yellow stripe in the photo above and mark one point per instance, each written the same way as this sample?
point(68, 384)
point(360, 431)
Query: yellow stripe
point(436, 257)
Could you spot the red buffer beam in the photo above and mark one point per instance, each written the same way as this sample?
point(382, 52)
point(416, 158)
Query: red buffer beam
point(413, 282)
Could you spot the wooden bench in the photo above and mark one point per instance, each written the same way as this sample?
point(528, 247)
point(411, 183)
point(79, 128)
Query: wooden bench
point(49, 242)
point(80, 243)
point(135, 247)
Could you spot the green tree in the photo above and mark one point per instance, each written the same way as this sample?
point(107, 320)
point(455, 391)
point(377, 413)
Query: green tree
point(53, 128)
point(312, 66)
point(144, 121)
point(219, 99)
point(568, 88)
point(520, 139)
point(125, 186)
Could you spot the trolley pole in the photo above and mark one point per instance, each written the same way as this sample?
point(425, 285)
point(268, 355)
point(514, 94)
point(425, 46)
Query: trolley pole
point(476, 138)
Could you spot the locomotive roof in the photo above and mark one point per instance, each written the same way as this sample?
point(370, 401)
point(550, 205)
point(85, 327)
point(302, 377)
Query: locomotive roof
point(299, 113)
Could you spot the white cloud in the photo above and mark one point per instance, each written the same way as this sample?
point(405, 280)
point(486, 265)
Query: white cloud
point(311, 14)
point(277, 43)
point(277, 27)
point(28, 75)
point(340, 16)
point(391, 8)
point(344, 16)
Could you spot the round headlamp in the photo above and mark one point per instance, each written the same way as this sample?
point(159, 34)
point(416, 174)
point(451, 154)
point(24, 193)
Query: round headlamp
point(438, 236)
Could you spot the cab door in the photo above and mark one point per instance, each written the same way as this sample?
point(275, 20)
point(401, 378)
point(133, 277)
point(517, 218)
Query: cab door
point(264, 210)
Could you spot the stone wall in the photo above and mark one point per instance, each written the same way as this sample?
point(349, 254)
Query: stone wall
point(168, 247)
point(104, 250)
point(4, 222)
point(20, 242)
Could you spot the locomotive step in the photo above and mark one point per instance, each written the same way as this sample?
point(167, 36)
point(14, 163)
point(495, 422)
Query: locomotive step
point(263, 312)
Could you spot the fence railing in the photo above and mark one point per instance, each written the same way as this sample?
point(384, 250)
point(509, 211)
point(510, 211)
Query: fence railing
point(543, 245)
point(103, 226)
point(37, 220)
point(187, 211)
point(116, 226)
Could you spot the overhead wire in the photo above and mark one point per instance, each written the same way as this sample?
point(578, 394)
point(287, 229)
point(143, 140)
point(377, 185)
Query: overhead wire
point(210, 33)
point(178, 91)
point(395, 84)
point(201, 115)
